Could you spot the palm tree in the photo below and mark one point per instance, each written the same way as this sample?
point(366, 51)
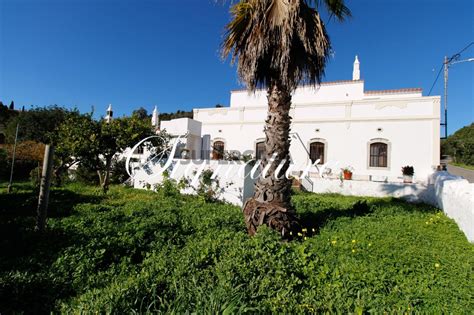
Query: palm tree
point(277, 45)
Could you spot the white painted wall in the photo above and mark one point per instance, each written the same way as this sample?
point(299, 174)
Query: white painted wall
point(182, 126)
point(326, 92)
point(232, 188)
point(455, 195)
point(185, 126)
point(346, 119)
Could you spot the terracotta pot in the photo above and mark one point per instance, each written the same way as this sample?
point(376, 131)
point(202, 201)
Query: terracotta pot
point(296, 183)
point(347, 175)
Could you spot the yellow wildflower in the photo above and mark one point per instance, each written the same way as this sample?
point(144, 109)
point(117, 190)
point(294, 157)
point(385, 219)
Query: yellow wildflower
point(299, 234)
point(334, 242)
point(370, 244)
point(437, 265)
point(304, 230)
point(305, 238)
point(353, 250)
point(313, 230)
point(353, 241)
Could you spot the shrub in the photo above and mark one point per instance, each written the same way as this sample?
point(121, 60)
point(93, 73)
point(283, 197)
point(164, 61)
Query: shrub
point(3, 163)
point(86, 175)
point(118, 172)
point(35, 176)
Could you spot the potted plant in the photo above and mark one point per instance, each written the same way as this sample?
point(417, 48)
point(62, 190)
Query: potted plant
point(295, 183)
point(408, 172)
point(347, 172)
point(184, 153)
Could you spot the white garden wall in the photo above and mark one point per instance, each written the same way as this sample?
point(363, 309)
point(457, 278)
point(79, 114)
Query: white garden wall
point(408, 192)
point(455, 196)
point(233, 187)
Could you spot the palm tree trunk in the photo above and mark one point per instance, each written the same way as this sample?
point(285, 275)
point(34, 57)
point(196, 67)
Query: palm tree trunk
point(271, 203)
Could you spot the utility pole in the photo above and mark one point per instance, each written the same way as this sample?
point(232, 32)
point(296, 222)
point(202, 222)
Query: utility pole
point(9, 188)
point(446, 67)
point(447, 63)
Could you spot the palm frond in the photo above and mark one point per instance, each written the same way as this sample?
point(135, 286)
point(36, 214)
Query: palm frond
point(282, 41)
point(336, 8)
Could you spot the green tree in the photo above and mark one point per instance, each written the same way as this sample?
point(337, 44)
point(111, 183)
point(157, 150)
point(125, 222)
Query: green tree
point(278, 44)
point(75, 141)
point(37, 124)
point(6, 114)
point(95, 144)
point(460, 145)
point(141, 113)
point(114, 138)
point(178, 114)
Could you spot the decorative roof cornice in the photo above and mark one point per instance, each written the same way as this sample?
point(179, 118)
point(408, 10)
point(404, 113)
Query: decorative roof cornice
point(398, 91)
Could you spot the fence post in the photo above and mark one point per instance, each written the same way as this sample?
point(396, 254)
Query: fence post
point(43, 197)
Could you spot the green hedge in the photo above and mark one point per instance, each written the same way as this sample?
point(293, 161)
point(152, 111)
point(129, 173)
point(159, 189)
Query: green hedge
point(138, 251)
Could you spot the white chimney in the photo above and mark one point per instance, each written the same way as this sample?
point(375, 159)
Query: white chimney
point(110, 114)
point(356, 71)
point(155, 120)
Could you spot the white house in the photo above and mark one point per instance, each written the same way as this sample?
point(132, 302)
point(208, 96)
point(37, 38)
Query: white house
point(375, 132)
point(340, 123)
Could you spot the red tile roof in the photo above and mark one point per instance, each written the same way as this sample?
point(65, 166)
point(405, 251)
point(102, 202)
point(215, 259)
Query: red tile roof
point(409, 90)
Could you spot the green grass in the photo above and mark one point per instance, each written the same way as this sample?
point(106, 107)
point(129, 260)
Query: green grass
point(138, 251)
point(469, 167)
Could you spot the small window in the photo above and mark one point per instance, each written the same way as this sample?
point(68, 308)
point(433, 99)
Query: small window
point(218, 150)
point(139, 150)
point(316, 151)
point(378, 155)
point(259, 150)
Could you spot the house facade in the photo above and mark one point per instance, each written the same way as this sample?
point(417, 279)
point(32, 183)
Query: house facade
point(341, 123)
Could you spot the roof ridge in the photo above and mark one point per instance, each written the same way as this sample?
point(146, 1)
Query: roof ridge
point(403, 90)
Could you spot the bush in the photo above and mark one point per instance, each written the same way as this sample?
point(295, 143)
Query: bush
point(35, 176)
point(28, 156)
point(118, 173)
point(3, 164)
point(86, 175)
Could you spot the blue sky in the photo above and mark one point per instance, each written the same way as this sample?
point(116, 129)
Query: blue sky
point(136, 53)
